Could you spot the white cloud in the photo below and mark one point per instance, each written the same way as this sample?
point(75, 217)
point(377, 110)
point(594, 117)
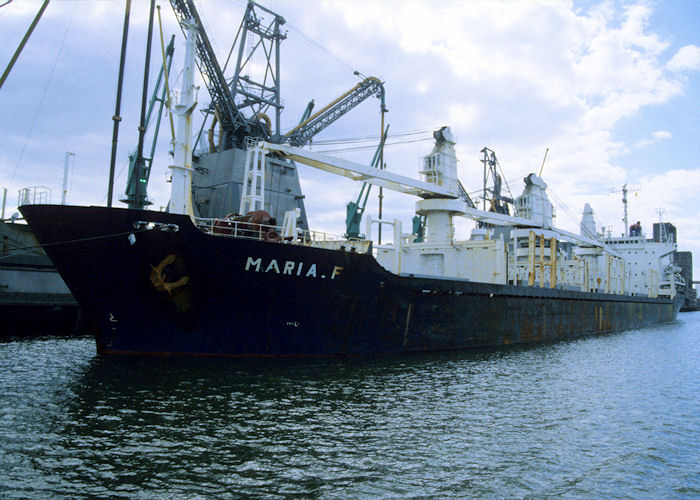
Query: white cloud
point(533, 75)
point(672, 191)
point(687, 58)
point(662, 134)
point(518, 77)
point(659, 135)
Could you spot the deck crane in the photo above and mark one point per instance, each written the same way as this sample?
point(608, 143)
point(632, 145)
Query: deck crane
point(247, 106)
point(419, 221)
point(311, 125)
point(258, 94)
point(429, 192)
point(358, 172)
point(498, 202)
point(302, 133)
point(235, 125)
point(140, 167)
point(355, 209)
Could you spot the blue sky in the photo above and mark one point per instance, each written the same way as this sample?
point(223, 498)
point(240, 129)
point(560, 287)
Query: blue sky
point(678, 23)
point(611, 88)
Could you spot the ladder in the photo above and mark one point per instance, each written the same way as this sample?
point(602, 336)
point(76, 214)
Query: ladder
point(253, 195)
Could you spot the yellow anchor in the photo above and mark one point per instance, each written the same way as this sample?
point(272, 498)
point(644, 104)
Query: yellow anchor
point(158, 277)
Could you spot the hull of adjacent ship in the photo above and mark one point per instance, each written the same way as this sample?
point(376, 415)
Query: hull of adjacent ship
point(191, 293)
point(34, 300)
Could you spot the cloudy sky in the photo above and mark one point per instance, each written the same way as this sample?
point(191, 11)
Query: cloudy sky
point(611, 88)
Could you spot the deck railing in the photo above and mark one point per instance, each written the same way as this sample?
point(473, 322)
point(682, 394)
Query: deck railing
point(261, 232)
point(228, 228)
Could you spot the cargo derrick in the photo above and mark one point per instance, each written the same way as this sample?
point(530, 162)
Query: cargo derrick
point(496, 202)
point(234, 124)
point(247, 108)
point(493, 200)
point(230, 99)
point(140, 166)
point(310, 125)
point(356, 209)
point(303, 133)
point(240, 108)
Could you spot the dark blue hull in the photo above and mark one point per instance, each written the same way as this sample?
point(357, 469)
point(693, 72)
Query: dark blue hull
point(191, 293)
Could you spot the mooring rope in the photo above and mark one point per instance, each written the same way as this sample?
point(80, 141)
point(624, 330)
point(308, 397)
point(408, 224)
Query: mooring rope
point(12, 251)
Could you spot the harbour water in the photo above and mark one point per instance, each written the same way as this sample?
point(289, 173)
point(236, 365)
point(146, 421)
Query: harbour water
point(610, 416)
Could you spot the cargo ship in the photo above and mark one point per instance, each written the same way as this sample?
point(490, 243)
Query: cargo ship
point(34, 300)
point(200, 282)
point(174, 284)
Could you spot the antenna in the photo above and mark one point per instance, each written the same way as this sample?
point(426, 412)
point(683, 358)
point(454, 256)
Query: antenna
point(624, 192)
point(663, 235)
point(543, 160)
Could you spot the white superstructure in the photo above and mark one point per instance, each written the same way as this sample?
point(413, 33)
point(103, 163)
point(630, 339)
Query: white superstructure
point(525, 249)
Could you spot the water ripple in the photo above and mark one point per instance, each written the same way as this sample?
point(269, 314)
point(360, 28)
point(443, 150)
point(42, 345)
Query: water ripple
point(615, 415)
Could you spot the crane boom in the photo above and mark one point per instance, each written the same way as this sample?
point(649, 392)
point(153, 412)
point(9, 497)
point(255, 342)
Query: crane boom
point(302, 133)
point(264, 92)
point(356, 208)
point(464, 196)
point(431, 193)
point(358, 172)
point(140, 167)
point(230, 116)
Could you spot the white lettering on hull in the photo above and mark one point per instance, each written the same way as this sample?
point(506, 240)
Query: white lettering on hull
point(250, 262)
point(272, 266)
point(289, 268)
point(312, 271)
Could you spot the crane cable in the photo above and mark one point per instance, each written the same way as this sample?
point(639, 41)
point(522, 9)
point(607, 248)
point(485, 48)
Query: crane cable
point(165, 72)
point(371, 146)
point(334, 59)
point(43, 96)
point(366, 138)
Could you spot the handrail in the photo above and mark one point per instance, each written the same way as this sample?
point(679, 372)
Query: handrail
point(260, 232)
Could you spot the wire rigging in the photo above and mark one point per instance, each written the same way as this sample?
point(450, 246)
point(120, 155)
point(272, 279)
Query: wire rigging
point(366, 138)
point(43, 95)
point(118, 177)
point(560, 203)
point(334, 59)
point(372, 146)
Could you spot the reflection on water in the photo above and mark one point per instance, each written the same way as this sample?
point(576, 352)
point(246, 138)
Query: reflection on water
point(607, 416)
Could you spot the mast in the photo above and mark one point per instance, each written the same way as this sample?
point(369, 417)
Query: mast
point(624, 192)
point(139, 175)
point(23, 42)
point(181, 184)
point(116, 117)
point(69, 155)
point(624, 203)
point(381, 167)
point(139, 165)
